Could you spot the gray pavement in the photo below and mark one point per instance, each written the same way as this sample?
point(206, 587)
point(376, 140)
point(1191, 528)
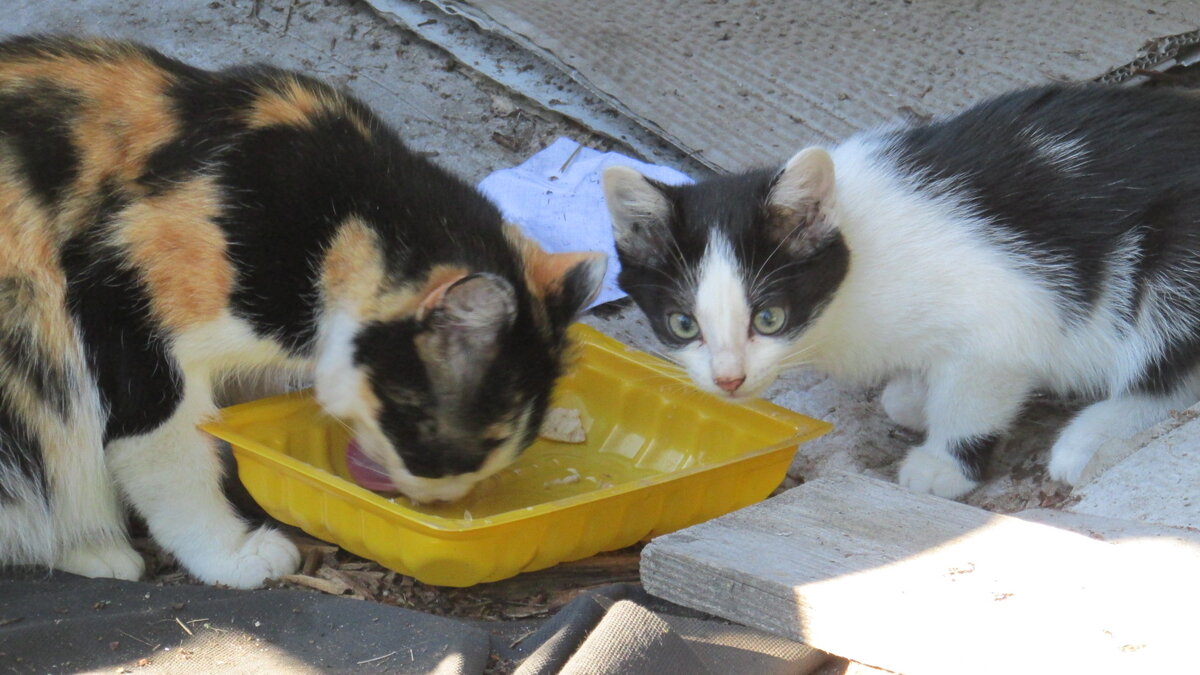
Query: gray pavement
point(469, 124)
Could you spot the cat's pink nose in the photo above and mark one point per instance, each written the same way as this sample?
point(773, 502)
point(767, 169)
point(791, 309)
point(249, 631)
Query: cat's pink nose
point(729, 384)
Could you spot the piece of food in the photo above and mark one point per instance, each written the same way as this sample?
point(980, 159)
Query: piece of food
point(563, 425)
point(571, 477)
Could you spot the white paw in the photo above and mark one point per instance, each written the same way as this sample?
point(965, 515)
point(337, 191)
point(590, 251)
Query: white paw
point(903, 399)
point(113, 560)
point(264, 554)
point(1070, 456)
point(936, 474)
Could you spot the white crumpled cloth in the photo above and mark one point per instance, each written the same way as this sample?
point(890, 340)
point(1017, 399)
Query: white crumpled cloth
point(563, 208)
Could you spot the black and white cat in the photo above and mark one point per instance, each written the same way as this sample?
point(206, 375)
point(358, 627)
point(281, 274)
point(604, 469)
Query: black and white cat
point(1045, 239)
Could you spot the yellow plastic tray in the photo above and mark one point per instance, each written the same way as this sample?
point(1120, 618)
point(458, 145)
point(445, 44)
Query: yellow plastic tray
point(660, 455)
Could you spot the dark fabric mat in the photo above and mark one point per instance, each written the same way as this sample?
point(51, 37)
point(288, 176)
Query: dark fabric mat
point(63, 623)
point(622, 629)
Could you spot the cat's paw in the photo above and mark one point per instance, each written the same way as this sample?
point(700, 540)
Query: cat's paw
point(111, 560)
point(903, 400)
point(935, 474)
point(264, 554)
point(1070, 456)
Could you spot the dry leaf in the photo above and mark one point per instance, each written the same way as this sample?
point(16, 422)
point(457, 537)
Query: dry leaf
point(329, 586)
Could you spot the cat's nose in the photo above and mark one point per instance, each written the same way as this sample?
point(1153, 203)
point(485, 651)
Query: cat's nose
point(729, 384)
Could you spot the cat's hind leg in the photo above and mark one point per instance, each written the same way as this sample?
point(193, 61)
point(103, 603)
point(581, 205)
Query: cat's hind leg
point(172, 476)
point(88, 513)
point(62, 510)
point(970, 406)
point(903, 400)
point(113, 559)
point(59, 506)
point(1118, 417)
point(46, 531)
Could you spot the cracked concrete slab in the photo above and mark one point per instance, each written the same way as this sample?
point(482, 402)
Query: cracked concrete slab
point(1158, 483)
point(446, 104)
point(739, 82)
point(465, 122)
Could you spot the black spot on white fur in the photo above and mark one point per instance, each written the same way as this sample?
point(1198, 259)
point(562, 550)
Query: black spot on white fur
point(973, 454)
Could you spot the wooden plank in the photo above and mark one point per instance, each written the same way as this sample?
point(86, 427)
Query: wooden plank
point(924, 586)
point(1123, 533)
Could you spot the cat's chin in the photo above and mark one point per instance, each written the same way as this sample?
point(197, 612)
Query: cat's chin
point(439, 493)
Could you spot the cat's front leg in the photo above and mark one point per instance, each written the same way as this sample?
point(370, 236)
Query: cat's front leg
point(172, 476)
point(1119, 417)
point(970, 405)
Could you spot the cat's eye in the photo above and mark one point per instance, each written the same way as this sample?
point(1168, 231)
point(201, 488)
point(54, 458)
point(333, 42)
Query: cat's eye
point(682, 325)
point(770, 320)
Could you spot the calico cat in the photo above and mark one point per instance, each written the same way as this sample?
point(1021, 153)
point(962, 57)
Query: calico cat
point(1046, 239)
point(163, 228)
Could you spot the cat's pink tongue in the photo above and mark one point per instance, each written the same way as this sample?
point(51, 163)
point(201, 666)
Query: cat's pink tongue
point(367, 472)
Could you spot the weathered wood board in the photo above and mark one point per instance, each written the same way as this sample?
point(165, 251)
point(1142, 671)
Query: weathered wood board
point(924, 586)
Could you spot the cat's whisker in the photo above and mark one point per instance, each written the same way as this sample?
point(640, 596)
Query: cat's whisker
point(793, 364)
point(342, 423)
point(667, 372)
point(798, 357)
point(667, 369)
point(778, 246)
point(677, 253)
point(777, 277)
point(661, 287)
point(676, 387)
point(671, 359)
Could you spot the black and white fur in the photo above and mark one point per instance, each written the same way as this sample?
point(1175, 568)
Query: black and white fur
point(1046, 239)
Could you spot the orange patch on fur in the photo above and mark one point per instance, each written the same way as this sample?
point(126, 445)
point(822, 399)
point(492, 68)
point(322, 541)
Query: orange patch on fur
point(295, 104)
point(33, 305)
point(123, 115)
point(352, 272)
point(21, 222)
point(544, 271)
point(180, 252)
point(500, 431)
point(353, 276)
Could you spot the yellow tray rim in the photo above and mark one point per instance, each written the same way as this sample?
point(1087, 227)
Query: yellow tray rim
point(444, 525)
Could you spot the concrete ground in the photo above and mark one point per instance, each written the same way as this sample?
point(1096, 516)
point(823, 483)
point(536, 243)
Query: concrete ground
point(466, 123)
point(473, 126)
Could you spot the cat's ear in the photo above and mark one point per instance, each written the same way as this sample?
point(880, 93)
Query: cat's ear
point(463, 318)
point(471, 303)
point(799, 202)
point(640, 212)
point(570, 282)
